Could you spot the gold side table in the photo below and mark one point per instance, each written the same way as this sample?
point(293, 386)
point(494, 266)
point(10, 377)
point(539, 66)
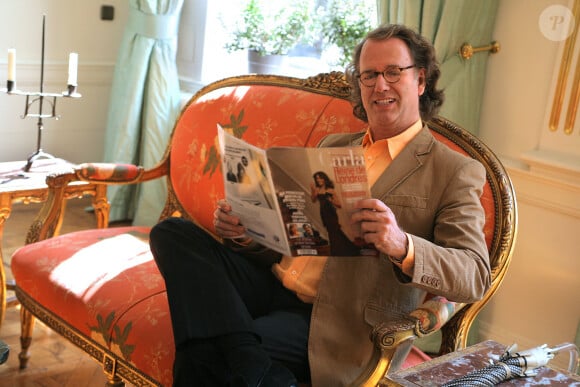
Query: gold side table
point(20, 186)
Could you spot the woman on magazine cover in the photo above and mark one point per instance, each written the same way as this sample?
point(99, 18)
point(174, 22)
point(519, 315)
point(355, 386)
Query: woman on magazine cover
point(322, 190)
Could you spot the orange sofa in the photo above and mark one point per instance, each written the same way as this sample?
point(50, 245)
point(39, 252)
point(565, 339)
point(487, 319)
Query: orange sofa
point(101, 289)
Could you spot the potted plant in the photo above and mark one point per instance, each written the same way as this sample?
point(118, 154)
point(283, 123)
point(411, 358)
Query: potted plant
point(343, 24)
point(269, 34)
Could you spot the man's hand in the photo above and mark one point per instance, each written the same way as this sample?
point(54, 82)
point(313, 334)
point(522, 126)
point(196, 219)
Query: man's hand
point(379, 226)
point(227, 225)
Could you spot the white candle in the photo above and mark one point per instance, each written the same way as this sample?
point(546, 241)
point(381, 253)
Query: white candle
point(73, 61)
point(12, 64)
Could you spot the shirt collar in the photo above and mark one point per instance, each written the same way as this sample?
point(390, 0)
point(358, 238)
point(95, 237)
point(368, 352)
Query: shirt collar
point(397, 143)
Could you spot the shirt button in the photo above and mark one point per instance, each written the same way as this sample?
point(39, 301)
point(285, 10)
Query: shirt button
point(294, 272)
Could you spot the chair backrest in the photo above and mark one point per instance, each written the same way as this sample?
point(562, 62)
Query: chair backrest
point(499, 202)
point(264, 110)
point(268, 110)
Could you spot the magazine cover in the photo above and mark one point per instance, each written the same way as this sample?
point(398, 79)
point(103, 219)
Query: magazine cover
point(294, 200)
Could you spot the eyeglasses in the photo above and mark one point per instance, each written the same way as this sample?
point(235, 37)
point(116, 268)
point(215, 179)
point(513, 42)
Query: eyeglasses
point(392, 74)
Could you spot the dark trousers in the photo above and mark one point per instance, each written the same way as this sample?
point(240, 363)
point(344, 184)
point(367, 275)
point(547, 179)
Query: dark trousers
point(214, 291)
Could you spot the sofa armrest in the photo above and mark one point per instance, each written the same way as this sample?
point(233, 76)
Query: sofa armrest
point(109, 173)
point(97, 177)
point(434, 313)
point(392, 340)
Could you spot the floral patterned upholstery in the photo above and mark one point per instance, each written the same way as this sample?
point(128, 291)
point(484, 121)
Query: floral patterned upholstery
point(264, 115)
point(101, 289)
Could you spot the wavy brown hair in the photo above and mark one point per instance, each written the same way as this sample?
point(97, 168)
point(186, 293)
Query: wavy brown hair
point(423, 54)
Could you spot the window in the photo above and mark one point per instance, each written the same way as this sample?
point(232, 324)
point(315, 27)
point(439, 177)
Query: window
point(206, 27)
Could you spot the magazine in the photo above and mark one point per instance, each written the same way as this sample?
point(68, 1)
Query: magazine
point(297, 201)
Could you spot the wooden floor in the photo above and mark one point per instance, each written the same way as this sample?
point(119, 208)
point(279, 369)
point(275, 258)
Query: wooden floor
point(54, 361)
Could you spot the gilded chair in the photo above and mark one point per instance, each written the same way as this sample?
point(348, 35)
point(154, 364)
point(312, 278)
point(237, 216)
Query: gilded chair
point(101, 289)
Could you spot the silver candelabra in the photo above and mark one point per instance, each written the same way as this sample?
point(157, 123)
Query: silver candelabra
point(40, 97)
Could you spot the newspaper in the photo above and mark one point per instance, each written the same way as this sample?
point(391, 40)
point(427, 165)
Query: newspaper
point(297, 201)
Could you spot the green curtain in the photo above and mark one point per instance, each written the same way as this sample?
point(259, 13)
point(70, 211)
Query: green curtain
point(144, 104)
point(448, 24)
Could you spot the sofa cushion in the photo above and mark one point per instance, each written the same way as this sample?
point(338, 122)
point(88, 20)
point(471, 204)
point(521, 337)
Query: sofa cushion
point(104, 285)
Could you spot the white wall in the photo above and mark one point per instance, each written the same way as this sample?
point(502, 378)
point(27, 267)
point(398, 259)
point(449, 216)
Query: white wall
point(538, 301)
point(71, 26)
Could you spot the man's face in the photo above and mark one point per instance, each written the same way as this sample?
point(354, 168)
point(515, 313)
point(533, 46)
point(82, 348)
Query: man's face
point(391, 107)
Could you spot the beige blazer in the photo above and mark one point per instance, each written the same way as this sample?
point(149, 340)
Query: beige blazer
point(434, 193)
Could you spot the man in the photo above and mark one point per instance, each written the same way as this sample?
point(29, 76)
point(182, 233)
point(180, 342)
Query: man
point(309, 232)
point(239, 318)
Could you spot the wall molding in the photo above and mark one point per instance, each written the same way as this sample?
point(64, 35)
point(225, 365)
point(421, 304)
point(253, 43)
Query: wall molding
point(550, 192)
point(554, 164)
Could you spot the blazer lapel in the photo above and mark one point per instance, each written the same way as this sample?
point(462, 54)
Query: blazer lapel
point(404, 165)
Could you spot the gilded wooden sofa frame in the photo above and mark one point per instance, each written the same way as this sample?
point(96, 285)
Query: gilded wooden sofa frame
point(387, 337)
